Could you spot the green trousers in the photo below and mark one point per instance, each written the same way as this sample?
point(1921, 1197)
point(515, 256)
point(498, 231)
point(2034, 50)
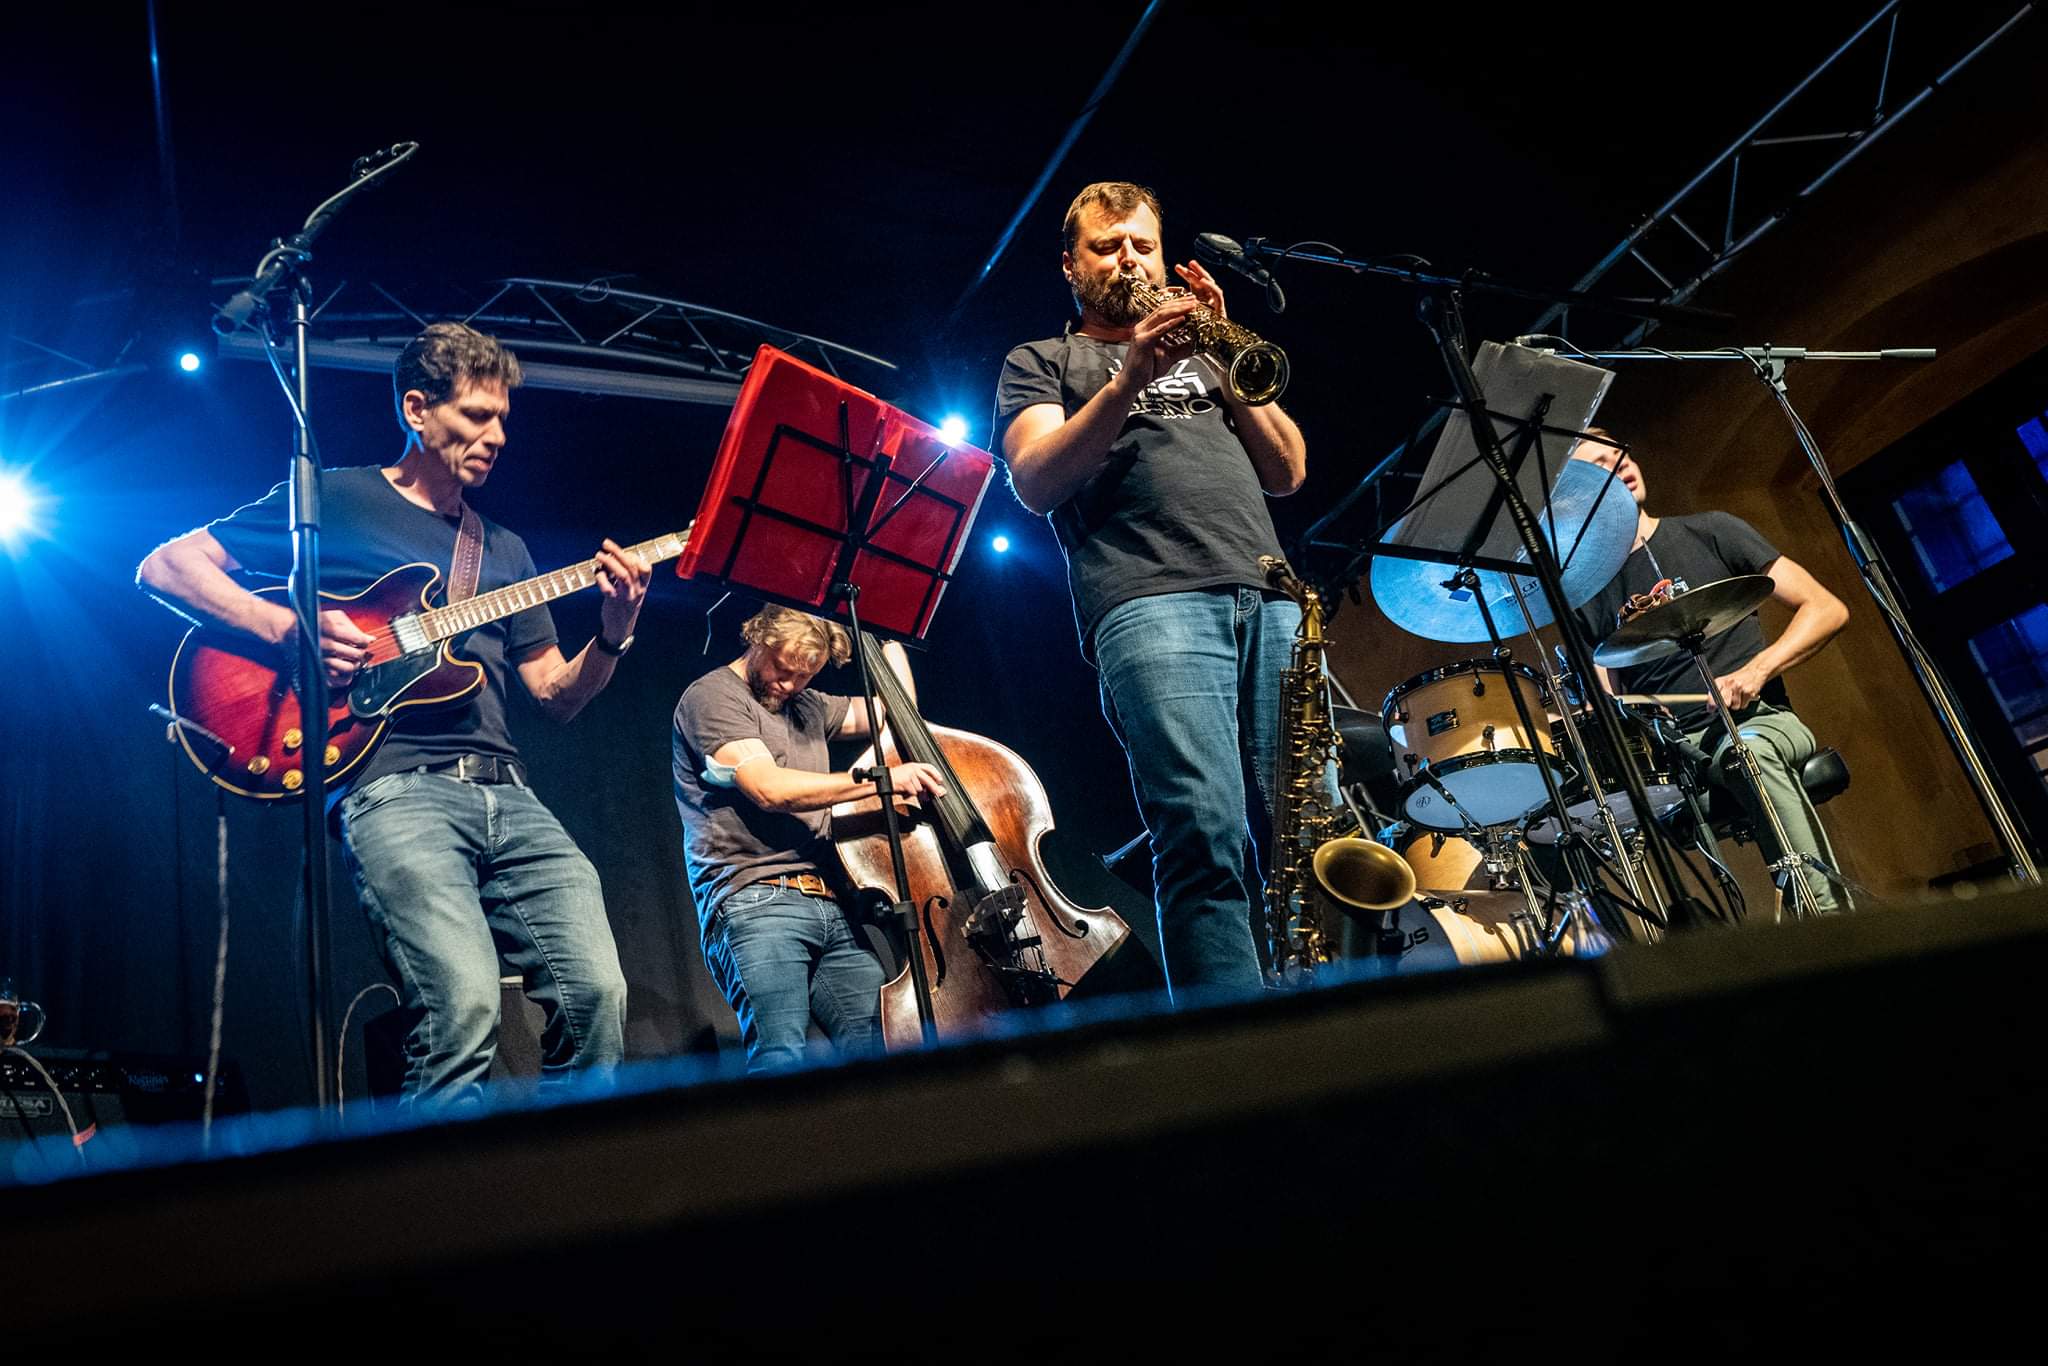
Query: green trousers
point(1782, 744)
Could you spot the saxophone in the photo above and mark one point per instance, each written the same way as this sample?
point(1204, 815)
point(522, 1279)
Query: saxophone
point(1319, 850)
point(1255, 368)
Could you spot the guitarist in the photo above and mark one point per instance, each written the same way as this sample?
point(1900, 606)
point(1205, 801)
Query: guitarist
point(455, 859)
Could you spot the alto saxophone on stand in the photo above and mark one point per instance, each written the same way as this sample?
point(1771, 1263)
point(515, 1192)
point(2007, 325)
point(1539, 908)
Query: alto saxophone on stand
point(1320, 854)
point(1255, 369)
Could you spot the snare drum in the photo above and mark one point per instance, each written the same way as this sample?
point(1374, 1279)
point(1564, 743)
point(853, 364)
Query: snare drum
point(1461, 721)
point(1653, 760)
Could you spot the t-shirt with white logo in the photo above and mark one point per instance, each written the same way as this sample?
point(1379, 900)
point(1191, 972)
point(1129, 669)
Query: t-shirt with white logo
point(1176, 507)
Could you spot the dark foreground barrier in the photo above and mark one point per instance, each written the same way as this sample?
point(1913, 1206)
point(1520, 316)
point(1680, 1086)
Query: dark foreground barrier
point(1823, 1137)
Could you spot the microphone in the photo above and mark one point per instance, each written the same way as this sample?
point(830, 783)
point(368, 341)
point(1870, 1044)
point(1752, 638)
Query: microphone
point(1213, 248)
point(363, 165)
point(287, 254)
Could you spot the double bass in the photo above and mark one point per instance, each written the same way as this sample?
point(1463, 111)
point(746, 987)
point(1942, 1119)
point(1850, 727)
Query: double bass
point(996, 934)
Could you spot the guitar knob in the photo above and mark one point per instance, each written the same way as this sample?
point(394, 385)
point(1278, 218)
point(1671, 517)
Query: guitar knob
point(293, 738)
point(294, 780)
point(333, 755)
point(259, 765)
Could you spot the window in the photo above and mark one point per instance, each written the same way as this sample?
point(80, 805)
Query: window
point(1951, 526)
point(2014, 658)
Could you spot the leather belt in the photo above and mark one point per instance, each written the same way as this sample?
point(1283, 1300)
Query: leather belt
point(479, 768)
point(810, 884)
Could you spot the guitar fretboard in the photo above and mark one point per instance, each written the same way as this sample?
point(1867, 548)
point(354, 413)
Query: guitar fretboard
point(484, 608)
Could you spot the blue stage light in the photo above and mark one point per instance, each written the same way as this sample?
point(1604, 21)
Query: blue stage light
point(999, 544)
point(18, 506)
point(954, 428)
point(189, 362)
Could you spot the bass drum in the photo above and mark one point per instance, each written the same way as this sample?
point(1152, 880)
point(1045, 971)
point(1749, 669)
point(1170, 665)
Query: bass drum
point(1441, 860)
point(1458, 928)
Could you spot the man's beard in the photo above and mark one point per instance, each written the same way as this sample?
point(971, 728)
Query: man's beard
point(1109, 298)
point(762, 692)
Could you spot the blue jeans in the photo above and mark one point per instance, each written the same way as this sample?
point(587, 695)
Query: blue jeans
point(454, 874)
point(782, 957)
point(1191, 686)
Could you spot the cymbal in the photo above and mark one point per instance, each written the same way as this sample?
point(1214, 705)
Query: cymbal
point(1706, 611)
point(1595, 520)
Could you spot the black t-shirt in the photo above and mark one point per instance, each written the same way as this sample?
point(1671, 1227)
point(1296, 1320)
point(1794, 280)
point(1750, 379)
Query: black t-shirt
point(1177, 507)
point(1692, 551)
point(728, 842)
point(368, 528)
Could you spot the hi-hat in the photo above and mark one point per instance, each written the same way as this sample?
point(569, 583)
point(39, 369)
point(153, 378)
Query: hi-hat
point(1706, 611)
point(1590, 524)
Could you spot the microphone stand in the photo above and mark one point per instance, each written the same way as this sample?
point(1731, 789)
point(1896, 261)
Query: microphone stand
point(1769, 364)
point(1440, 308)
point(281, 267)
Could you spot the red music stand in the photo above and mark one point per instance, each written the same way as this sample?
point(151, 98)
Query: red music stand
point(819, 484)
point(827, 499)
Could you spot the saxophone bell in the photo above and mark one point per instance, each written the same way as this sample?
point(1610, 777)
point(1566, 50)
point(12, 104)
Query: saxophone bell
point(1362, 874)
point(1254, 368)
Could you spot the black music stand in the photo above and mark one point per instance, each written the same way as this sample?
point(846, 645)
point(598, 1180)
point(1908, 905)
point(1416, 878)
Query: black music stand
point(822, 492)
point(1460, 518)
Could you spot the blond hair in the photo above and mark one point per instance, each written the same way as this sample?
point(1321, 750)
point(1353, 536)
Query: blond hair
point(1119, 197)
point(780, 628)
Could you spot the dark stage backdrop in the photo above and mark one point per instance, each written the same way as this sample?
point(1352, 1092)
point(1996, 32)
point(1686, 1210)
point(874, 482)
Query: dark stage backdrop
point(108, 845)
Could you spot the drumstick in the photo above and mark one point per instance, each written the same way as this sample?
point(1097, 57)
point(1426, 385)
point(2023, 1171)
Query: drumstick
point(1660, 699)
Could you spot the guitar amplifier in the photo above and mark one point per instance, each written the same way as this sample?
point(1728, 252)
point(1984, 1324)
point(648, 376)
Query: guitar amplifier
point(105, 1092)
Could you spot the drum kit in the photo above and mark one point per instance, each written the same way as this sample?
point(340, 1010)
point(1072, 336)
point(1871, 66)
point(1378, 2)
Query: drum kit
point(1505, 799)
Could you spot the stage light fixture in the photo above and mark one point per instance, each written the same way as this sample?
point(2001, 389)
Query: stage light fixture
point(189, 362)
point(18, 506)
point(999, 544)
point(954, 428)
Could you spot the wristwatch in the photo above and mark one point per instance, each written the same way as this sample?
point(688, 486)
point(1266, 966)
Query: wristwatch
point(605, 647)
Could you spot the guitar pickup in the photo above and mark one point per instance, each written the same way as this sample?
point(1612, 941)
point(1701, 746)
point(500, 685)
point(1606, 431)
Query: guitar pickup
point(410, 633)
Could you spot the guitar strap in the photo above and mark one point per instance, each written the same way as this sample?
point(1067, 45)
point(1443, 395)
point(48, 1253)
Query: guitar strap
point(469, 556)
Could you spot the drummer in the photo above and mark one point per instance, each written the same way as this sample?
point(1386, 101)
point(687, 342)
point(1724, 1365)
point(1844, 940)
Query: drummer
point(1691, 551)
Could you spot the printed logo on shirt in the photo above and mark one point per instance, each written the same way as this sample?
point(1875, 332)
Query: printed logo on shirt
point(1180, 392)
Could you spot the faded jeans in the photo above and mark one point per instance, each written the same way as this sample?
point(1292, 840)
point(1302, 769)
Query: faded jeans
point(1191, 686)
point(453, 875)
point(783, 957)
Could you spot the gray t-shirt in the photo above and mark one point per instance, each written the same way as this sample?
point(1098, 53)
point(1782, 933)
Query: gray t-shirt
point(728, 842)
point(1177, 507)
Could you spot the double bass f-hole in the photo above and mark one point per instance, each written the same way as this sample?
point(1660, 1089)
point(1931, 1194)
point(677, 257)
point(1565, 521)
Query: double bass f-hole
point(1078, 930)
point(931, 937)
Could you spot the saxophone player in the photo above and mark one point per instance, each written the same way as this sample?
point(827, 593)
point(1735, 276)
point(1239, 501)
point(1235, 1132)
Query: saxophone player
point(1154, 475)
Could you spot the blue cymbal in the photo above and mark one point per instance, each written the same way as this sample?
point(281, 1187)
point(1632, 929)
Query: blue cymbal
point(1590, 524)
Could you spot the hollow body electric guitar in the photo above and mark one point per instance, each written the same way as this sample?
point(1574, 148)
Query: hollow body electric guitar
point(244, 691)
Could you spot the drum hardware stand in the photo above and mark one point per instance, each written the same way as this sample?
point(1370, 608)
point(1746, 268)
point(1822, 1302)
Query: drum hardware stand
point(1440, 310)
point(1656, 921)
point(1788, 863)
point(1577, 905)
point(1769, 364)
point(1691, 781)
point(1441, 315)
